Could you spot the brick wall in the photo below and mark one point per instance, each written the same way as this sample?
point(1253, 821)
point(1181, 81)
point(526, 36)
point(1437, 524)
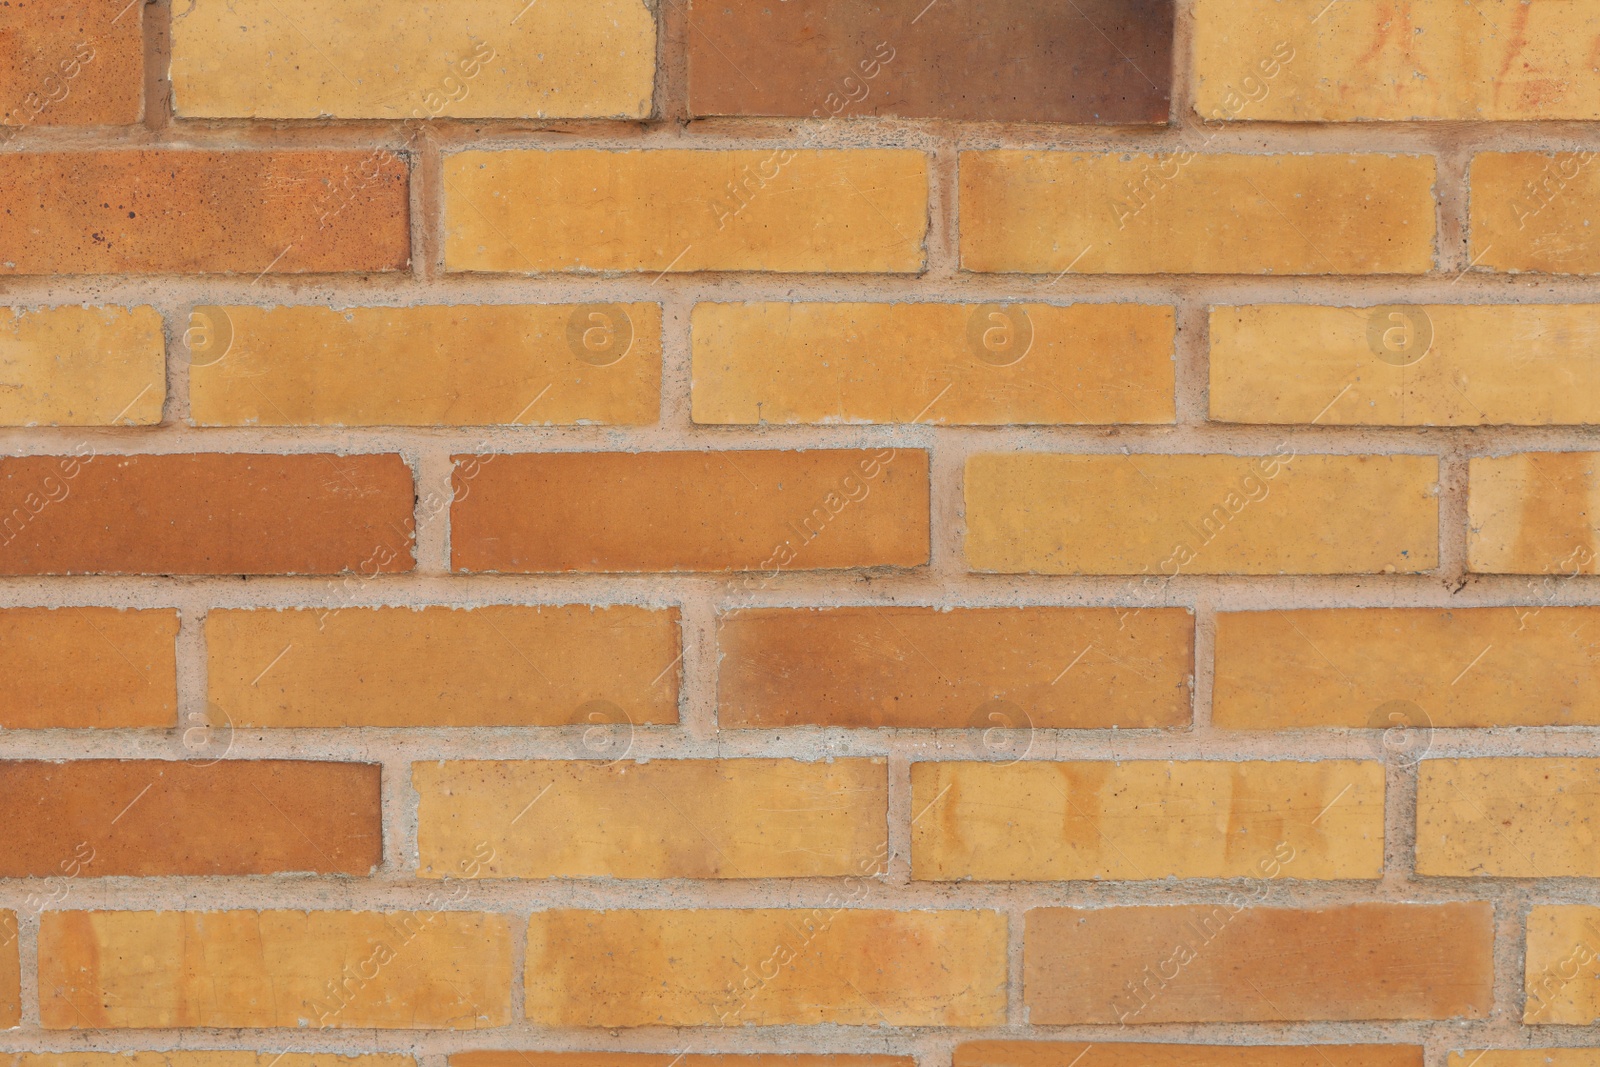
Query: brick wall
point(799, 533)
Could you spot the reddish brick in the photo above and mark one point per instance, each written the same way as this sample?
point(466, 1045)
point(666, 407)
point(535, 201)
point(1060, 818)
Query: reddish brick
point(70, 63)
point(135, 676)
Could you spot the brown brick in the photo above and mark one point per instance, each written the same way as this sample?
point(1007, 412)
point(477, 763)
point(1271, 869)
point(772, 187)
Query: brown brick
point(295, 969)
point(1095, 61)
point(1144, 819)
point(1237, 963)
point(10, 972)
point(956, 364)
point(481, 365)
point(990, 668)
point(1034, 212)
point(97, 818)
point(497, 665)
point(1559, 968)
point(133, 683)
point(1531, 211)
point(683, 1059)
point(779, 209)
point(154, 211)
point(1130, 1054)
point(675, 818)
point(302, 60)
point(1508, 817)
point(1399, 668)
point(763, 511)
point(1405, 365)
point(832, 964)
point(1261, 60)
point(82, 366)
point(1047, 513)
point(1534, 513)
point(204, 514)
point(70, 63)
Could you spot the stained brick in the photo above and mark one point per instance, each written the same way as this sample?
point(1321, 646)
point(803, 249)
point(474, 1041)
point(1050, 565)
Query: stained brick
point(1508, 817)
point(133, 683)
point(76, 366)
point(1534, 513)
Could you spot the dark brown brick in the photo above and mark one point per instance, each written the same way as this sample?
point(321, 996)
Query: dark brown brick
point(1088, 61)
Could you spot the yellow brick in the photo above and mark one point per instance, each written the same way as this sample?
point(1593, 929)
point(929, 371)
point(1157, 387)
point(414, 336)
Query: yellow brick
point(1526, 1057)
point(957, 364)
point(1040, 821)
point(296, 969)
point(1164, 514)
point(609, 668)
point(735, 818)
point(1414, 365)
point(777, 209)
point(767, 967)
point(1508, 818)
point(1560, 977)
point(1534, 513)
point(1403, 668)
point(81, 366)
point(1036, 212)
point(1303, 61)
point(393, 60)
point(1535, 211)
point(10, 972)
point(425, 366)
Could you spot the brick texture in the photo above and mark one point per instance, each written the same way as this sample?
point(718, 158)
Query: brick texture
point(71, 63)
point(134, 682)
point(1138, 1054)
point(1514, 818)
point(10, 971)
point(1534, 513)
point(1530, 210)
point(70, 366)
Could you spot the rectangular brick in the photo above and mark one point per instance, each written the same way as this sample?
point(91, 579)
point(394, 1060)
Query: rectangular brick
point(557, 364)
point(779, 209)
point(296, 59)
point(1232, 962)
point(259, 969)
point(1406, 365)
point(1559, 973)
point(216, 513)
point(683, 1059)
point(1283, 513)
point(932, 668)
point(1033, 212)
point(82, 366)
point(496, 665)
point(70, 63)
point(101, 817)
point(675, 818)
point(1530, 211)
point(201, 1058)
point(10, 972)
point(1143, 819)
point(1534, 513)
point(766, 967)
point(1097, 61)
point(953, 364)
point(184, 211)
point(1132, 1054)
point(1508, 817)
point(1405, 669)
point(1524, 1057)
point(134, 681)
point(761, 511)
point(1264, 60)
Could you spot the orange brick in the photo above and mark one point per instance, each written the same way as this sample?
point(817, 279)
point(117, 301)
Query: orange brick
point(782, 209)
point(725, 818)
point(683, 1059)
point(1034, 212)
point(556, 364)
point(931, 668)
point(498, 665)
point(1525, 1057)
point(232, 513)
point(766, 967)
point(99, 818)
point(200, 1058)
point(165, 211)
point(1508, 818)
point(1130, 1054)
point(79, 366)
point(1046, 513)
point(1531, 211)
point(133, 683)
point(1399, 668)
point(1146, 819)
point(1534, 513)
point(10, 972)
point(1559, 968)
point(1232, 962)
point(296, 969)
point(71, 63)
point(690, 511)
point(953, 364)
